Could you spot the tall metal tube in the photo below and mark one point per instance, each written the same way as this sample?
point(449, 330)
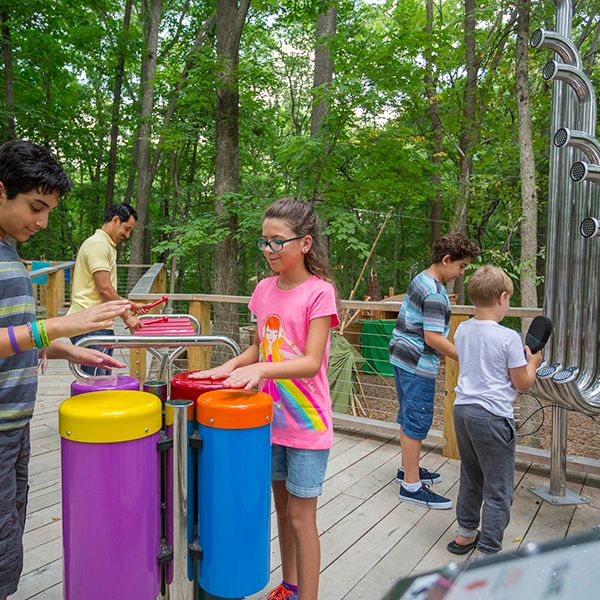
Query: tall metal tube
point(558, 466)
point(581, 140)
point(180, 584)
point(568, 332)
point(562, 45)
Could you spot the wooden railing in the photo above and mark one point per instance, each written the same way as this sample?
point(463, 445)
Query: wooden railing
point(200, 305)
point(51, 295)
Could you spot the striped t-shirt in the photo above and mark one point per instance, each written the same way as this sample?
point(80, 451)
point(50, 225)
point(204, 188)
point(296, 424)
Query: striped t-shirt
point(18, 373)
point(426, 307)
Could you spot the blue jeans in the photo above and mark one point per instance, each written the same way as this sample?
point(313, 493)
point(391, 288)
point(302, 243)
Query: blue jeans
point(415, 399)
point(14, 461)
point(96, 370)
point(302, 470)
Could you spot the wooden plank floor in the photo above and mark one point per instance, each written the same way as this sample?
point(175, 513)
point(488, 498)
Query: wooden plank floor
point(369, 539)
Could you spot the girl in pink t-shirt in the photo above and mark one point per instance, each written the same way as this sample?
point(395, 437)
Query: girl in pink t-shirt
point(295, 311)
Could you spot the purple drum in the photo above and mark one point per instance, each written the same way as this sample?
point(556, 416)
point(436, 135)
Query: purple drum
point(104, 383)
point(111, 495)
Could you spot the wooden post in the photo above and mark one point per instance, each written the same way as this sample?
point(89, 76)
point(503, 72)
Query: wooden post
point(137, 363)
point(60, 279)
point(199, 358)
point(52, 289)
point(450, 449)
point(160, 283)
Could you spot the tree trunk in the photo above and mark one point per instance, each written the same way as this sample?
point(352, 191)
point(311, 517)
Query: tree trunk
point(9, 98)
point(201, 38)
point(468, 136)
point(323, 71)
point(230, 22)
point(436, 126)
point(527, 164)
point(116, 109)
point(322, 78)
point(151, 10)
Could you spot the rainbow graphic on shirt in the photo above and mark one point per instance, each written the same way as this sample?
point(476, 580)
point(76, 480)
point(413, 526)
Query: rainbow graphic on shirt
point(292, 400)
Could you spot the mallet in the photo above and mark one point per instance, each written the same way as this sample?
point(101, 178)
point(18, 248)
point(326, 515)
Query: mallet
point(538, 333)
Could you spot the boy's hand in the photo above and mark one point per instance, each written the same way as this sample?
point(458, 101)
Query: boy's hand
point(98, 317)
point(535, 359)
point(94, 358)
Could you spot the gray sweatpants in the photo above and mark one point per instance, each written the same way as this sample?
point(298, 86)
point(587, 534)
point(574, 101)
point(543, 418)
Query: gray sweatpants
point(486, 444)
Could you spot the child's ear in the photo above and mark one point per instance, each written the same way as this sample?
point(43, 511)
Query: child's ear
point(446, 260)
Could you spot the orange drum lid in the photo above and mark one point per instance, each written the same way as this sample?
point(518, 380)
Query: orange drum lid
point(234, 409)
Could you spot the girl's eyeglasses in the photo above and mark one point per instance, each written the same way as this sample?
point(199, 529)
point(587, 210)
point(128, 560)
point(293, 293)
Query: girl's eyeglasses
point(275, 245)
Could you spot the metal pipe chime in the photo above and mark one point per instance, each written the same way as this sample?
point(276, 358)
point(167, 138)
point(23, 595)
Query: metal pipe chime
point(569, 378)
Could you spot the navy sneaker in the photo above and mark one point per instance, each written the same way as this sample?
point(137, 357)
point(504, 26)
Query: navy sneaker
point(425, 497)
point(428, 477)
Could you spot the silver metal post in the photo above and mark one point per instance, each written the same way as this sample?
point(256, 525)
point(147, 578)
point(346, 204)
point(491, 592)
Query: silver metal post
point(558, 493)
point(176, 411)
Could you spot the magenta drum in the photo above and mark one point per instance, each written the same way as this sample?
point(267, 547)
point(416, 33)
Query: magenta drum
point(111, 495)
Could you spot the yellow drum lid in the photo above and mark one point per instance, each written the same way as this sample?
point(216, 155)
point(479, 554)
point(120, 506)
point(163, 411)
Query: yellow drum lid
point(109, 416)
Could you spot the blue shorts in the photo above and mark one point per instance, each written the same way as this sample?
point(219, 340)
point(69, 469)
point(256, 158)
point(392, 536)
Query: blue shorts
point(415, 397)
point(302, 470)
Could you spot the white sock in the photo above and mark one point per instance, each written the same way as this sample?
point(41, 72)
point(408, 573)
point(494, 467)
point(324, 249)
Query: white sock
point(412, 487)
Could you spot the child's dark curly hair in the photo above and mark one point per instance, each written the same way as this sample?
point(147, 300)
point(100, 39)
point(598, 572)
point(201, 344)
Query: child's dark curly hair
point(454, 245)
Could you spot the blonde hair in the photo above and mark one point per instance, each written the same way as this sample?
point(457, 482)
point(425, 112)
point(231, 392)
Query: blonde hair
point(487, 284)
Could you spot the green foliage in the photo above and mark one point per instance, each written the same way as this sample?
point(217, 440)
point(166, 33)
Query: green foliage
point(372, 155)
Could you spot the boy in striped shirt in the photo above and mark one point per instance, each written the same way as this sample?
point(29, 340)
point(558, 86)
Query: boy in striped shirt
point(31, 184)
point(418, 339)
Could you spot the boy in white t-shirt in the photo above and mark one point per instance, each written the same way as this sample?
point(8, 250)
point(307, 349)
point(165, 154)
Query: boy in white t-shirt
point(493, 367)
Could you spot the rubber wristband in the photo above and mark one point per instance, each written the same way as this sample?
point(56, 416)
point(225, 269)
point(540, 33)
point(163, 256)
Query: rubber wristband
point(36, 335)
point(13, 340)
point(44, 334)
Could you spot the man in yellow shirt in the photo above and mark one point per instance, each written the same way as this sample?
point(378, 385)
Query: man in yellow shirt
point(95, 274)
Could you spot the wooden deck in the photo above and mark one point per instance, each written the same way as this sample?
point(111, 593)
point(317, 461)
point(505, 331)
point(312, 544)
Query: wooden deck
point(369, 538)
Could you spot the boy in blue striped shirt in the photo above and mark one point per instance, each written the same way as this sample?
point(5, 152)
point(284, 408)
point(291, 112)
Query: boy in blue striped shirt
point(418, 339)
point(31, 184)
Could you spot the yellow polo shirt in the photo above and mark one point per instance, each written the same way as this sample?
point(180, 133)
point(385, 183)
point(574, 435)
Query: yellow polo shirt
point(97, 253)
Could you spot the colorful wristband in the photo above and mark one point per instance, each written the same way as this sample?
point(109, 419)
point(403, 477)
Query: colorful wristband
point(44, 334)
point(30, 332)
point(13, 340)
point(37, 340)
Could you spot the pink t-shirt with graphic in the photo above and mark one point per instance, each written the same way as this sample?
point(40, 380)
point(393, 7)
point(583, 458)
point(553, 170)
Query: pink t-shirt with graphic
point(302, 415)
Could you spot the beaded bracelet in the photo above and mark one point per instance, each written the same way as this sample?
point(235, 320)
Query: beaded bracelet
point(34, 334)
point(44, 333)
point(13, 340)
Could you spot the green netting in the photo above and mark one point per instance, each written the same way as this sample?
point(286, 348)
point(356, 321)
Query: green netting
point(344, 362)
point(375, 337)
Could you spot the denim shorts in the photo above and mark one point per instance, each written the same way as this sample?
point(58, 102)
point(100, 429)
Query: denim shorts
point(415, 397)
point(302, 470)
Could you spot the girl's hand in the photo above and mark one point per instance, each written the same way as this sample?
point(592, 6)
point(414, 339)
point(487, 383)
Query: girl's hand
point(244, 377)
point(94, 358)
point(98, 317)
point(216, 373)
